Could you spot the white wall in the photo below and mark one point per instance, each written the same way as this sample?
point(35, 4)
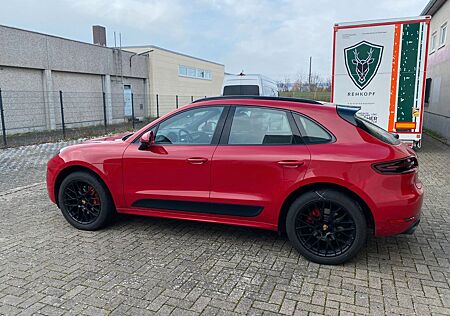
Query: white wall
point(23, 110)
point(437, 111)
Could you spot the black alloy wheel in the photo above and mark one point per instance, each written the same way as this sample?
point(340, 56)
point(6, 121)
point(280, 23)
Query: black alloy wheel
point(85, 201)
point(82, 202)
point(326, 226)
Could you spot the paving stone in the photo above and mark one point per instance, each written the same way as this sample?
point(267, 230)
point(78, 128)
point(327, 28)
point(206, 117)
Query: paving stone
point(151, 266)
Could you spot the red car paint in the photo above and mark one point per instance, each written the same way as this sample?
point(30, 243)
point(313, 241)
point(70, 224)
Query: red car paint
point(249, 175)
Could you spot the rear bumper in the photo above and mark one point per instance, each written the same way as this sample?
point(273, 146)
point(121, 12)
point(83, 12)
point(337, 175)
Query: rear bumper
point(401, 217)
point(412, 229)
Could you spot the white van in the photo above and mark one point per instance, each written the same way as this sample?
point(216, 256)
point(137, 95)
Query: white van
point(253, 84)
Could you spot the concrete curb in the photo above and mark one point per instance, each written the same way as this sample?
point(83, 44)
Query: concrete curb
point(442, 140)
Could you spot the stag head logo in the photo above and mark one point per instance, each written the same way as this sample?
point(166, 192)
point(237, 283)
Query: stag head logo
point(362, 61)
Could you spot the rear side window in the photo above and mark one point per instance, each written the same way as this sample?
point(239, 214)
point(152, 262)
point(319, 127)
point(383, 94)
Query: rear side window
point(260, 126)
point(376, 131)
point(312, 132)
point(241, 90)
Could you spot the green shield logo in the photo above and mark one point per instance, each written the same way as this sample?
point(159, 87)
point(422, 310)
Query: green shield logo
point(362, 62)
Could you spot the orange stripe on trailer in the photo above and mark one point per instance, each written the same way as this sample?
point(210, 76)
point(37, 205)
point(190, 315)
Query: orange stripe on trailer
point(394, 77)
point(405, 125)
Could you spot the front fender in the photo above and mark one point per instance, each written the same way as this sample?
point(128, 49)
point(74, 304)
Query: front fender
point(105, 162)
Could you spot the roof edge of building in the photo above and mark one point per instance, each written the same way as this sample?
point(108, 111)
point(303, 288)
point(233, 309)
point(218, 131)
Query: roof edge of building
point(173, 52)
point(61, 38)
point(432, 7)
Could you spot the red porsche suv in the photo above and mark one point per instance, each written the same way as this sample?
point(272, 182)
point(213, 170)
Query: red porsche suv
point(318, 172)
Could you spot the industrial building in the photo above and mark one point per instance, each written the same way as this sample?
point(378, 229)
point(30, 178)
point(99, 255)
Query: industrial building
point(34, 67)
point(173, 74)
point(437, 99)
point(40, 74)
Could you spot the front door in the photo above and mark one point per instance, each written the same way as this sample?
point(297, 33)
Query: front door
point(175, 171)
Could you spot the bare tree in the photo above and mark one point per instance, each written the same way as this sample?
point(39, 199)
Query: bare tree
point(314, 82)
point(327, 84)
point(284, 85)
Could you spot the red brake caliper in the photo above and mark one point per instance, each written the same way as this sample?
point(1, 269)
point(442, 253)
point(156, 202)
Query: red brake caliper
point(314, 214)
point(95, 199)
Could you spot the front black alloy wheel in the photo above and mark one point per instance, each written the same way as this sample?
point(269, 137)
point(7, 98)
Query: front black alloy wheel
point(326, 226)
point(84, 201)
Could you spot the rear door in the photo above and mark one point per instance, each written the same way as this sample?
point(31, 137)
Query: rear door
point(260, 155)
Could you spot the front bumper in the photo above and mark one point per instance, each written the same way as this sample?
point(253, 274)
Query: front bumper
point(53, 167)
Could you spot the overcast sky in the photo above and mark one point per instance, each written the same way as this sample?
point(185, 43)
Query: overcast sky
point(274, 38)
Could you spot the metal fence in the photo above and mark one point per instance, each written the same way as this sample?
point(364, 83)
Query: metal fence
point(28, 117)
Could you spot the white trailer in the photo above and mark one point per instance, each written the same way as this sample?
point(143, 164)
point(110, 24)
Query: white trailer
point(380, 66)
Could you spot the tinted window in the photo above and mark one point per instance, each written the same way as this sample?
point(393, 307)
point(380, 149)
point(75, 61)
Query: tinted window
point(259, 126)
point(312, 133)
point(196, 126)
point(376, 131)
point(241, 90)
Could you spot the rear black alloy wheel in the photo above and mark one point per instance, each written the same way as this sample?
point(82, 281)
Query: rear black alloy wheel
point(85, 201)
point(326, 226)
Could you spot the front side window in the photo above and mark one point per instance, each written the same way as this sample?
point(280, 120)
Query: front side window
point(260, 126)
point(312, 133)
point(191, 127)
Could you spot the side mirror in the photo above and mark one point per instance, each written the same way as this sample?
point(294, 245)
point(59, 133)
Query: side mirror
point(147, 140)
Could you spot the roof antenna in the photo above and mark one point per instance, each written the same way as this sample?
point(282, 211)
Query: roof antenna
point(242, 73)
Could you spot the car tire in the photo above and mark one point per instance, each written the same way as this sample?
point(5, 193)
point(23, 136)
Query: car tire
point(323, 219)
point(85, 202)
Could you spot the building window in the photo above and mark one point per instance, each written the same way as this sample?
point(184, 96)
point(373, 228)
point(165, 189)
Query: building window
point(200, 73)
point(190, 72)
point(443, 34)
point(433, 42)
point(182, 71)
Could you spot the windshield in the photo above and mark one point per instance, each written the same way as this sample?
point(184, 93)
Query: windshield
point(376, 131)
point(241, 90)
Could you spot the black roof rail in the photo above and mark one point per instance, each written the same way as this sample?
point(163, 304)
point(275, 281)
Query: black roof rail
point(258, 97)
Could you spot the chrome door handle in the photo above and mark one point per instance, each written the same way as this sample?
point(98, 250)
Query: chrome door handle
point(291, 163)
point(197, 160)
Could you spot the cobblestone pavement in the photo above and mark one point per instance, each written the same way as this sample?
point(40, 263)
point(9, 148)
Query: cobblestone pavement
point(141, 266)
point(26, 165)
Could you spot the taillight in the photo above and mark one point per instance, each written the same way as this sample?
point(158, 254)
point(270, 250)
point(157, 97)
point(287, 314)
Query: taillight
point(401, 166)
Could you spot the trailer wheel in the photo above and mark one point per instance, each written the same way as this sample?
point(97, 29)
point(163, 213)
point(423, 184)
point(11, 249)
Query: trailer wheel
point(417, 145)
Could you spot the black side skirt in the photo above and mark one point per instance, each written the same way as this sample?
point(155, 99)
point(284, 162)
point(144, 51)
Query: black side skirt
point(200, 207)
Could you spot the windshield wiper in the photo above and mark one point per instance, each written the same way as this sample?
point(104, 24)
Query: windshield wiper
point(127, 136)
